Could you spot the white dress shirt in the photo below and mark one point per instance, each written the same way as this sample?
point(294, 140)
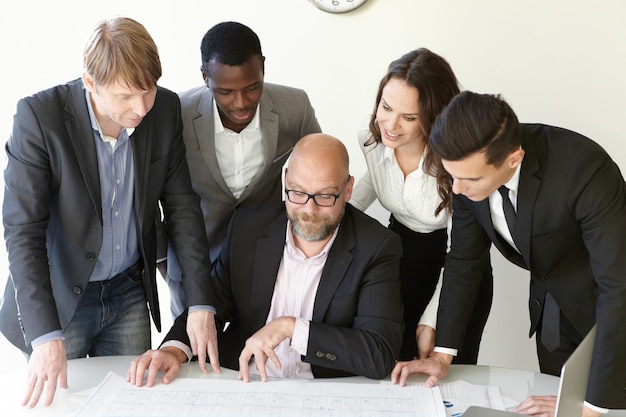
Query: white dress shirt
point(239, 155)
point(412, 200)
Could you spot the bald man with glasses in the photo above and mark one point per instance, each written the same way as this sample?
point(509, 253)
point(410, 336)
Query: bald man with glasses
point(309, 287)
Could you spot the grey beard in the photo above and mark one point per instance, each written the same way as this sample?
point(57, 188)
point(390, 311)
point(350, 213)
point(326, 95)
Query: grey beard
point(323, 233)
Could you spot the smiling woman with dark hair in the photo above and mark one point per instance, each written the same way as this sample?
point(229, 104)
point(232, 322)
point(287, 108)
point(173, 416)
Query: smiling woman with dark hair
point(409, 182)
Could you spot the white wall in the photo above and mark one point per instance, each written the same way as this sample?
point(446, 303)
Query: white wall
point(560, 62)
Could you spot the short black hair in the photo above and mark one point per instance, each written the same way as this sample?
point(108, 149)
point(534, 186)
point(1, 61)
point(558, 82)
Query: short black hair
point(230, 43)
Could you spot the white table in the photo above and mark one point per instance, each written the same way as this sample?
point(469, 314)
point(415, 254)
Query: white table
point(87, 373)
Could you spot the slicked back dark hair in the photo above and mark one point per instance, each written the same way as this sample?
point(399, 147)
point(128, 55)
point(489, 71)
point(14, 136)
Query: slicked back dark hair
point(230, 43)
point(473, 123)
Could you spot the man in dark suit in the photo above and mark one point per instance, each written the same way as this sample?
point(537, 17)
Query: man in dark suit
point(562, 216)
point(309, 287)
point(88, 161)
point(239, 131)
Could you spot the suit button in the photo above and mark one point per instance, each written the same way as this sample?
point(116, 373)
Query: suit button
point(90, 256)
point(319, 354)
point(537, 301)
point(330, 357)
point(78, 290)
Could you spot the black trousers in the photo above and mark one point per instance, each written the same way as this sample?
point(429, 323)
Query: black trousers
point(420, 266)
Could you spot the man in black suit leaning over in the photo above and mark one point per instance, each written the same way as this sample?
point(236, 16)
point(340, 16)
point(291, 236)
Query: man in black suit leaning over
point(310, 286)
point(565, 222)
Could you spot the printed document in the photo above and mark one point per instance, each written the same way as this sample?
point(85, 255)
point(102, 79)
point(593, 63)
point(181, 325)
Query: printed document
point(190, 397)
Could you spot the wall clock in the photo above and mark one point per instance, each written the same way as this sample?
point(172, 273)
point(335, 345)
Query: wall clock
point(337, 6)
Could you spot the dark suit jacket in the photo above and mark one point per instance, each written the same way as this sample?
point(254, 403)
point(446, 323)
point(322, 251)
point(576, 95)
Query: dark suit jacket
point(571, 232)
point(357, 316)
point(52, 209)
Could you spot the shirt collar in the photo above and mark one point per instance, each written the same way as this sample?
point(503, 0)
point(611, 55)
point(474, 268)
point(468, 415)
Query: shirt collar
point(390, 155)
point(388, 152)
point(219, 128)
point(513, 183)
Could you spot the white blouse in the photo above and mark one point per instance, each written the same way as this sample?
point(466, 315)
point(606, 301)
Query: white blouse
point(412, 201)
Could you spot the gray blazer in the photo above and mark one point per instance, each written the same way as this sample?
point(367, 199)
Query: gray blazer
point(286, 115)
point(52, 208)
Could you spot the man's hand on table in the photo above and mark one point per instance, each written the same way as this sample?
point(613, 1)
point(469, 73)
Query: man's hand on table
point(261, 345)
point(436, 366)
point(167, 359)
point(203, 338)
point(47, 367)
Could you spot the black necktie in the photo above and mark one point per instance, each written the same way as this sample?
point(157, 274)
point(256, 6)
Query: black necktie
point(509, 211)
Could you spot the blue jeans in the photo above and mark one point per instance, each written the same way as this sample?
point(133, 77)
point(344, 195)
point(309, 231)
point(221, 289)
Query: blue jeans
point(111, 319)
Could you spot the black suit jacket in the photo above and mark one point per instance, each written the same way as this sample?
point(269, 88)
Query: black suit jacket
point(52, 210)
point(357, 316)
point(571, 232)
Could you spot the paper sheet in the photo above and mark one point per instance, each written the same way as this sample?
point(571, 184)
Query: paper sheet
point(458, 396)
point(294, 398)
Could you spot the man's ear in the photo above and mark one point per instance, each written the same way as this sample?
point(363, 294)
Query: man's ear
point(515, 158)
point(89, 82)
point(349, 187)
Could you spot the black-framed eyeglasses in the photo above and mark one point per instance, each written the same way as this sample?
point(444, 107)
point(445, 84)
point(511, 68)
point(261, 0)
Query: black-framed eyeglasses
point(322, 200)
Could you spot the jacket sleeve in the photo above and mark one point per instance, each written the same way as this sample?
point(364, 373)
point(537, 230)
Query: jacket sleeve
point(597, 199)
point(26, 213)
point(185, 223)
point(462, 275)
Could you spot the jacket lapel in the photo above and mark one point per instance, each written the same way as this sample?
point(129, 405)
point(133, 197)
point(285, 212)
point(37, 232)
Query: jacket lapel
point(336, 267)
point(268, 123)
point(527, 192)
point(268, 255)
point(141, 152)
point(78, 125)
point(483, 213)
point(203, 125)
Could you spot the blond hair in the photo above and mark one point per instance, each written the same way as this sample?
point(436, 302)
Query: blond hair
point(122, 50)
